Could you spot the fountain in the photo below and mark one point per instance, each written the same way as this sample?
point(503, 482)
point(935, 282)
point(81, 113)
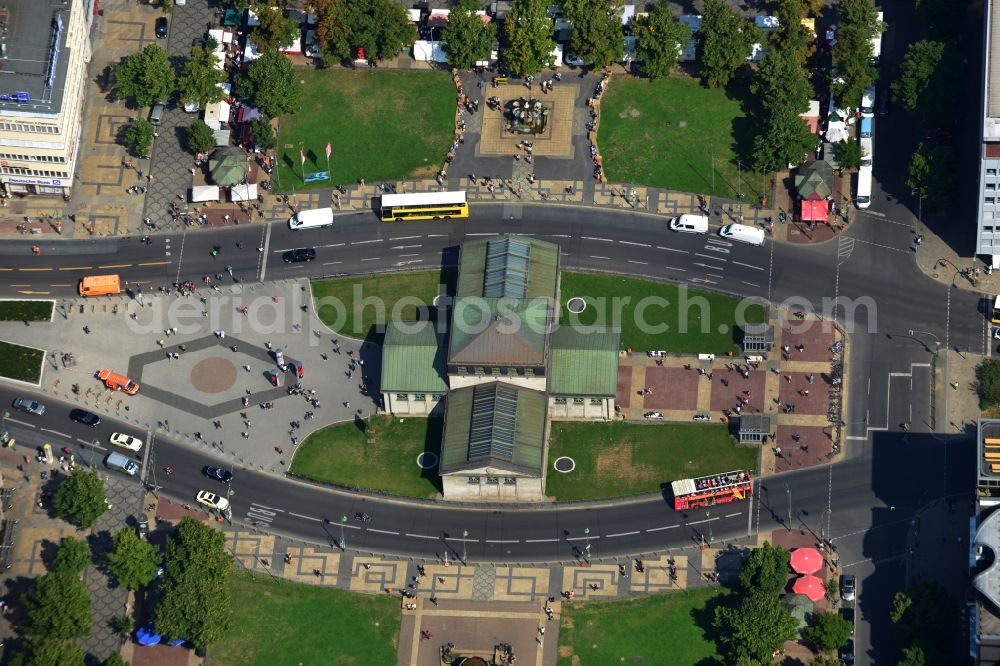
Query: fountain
point(526, 116)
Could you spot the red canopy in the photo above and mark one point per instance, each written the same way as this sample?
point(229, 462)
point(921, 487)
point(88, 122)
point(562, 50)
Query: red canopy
point(811, 586)
point(806, 560)
point(815, 210)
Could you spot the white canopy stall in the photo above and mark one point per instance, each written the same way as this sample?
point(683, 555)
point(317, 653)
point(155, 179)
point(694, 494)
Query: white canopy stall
point(204, 193)
point(244, 192)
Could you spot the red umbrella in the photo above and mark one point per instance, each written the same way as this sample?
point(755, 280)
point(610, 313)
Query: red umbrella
point(806, 560)
point(811, 586)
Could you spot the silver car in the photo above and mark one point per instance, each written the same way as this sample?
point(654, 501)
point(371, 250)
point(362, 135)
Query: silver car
point(30, 406)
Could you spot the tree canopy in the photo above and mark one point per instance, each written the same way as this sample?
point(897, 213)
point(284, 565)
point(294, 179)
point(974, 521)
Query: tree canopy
point(828, 631)
point(274, 31)
point(466, 38)
point(988, 374)
point(200, 137)
point(138, 136)
point(269, 83)
point(42, 651)
point(932, 173)
point(849, 154)
point(659, 40)
point(72, 557)
point(261, 133)
point(380, 27)
point(199, 79)
point(782, 93)
point(58, 607)
point(928, 621)
point(791, 35)
point(145, 77)
point(80, 497)
point(132, 560)
point(852, 54)
point(196, 598)
point(597, 30)
point(528, 35)
point(725, 40)
point(926, 84)
point(766, 569)
point(757, 626)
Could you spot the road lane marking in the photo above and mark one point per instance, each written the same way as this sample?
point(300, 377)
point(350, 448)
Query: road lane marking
point(365, 242)
point(61, 284)
point(154, 263)
point(404, 247)
point(372, 529)
point(665, 527)
point(399, 239)
point(35, 270)
point(751, 284)
point(420, 536)
point(603, 240)
point(78, 268)
point(55, 432)
point(24, 423)
point(756, 268)
point(560, 235)
point(34, 293)
point(594, 536)
point(6, 270)
point(594, 256)
point(638, 244)
point(299, 515)
point(415, 254)
point(330, 245)
point(540, 540)
point(732, 515)
point(263, 251)
point(485, 234)
point(332, 263)
point(503, 541)
point(709, 256)
point(115, 266)
point(671, 268)
point(621, 534)
point(372, 259)
point(637, 262)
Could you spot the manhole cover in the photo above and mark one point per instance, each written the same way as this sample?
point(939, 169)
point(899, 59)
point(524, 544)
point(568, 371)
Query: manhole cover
point(213, 375)
point(427, 460)
point(576, 305)
point(564, 464)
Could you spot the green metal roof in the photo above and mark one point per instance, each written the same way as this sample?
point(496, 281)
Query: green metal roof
point(516, 266)
point(499, 331)
point(584, 362)
point(413, 358)
point(494, 425)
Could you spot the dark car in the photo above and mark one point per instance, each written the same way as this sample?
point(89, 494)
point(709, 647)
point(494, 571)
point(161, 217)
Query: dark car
point(218, 474)
point(848, 614)
point(847, 653)
point(161, 27)
point(86, 418)
point(301, 254)
point(30, 406)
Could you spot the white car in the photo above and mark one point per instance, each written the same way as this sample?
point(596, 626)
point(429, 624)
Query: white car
point(574, 61)
point(212, 500)
point(126, 441)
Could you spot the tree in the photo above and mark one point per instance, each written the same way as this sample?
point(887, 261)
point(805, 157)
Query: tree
point(791, 35)
point(200, 137)
point(849, 155)
point(826, 660)
point(927, 618)
point(725, 40)
point(466, 38)
point(782, 95)
point(597, 30)
point(274, 30)
point(72, 557)
point(933, 173)
point(528, 33)
point(123, 625)
point(659, 39)
point(145, 77)
point(380, 27)
point(196, 599)
point(200, 78)
point(828, 631)
point(912, 656)
point(926, 84)
point(852, 54)
point(261, 133)
point(269, 83)
point(133, 561)
point(755, 628)
point(43, 651)
point(58, 607)
point(332, 31)
point(139, 137)
point(81, 496)
point(988, 374)
point(765, 569)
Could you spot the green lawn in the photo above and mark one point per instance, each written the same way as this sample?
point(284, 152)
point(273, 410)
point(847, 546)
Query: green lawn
point(670, 629)
point(342, 304)
point(25, 310)
point(670, 132)
point(276, 623)
point(23, 363)
point(618, 458)
point(382, 125)
point(341, 454)
point(697, 322)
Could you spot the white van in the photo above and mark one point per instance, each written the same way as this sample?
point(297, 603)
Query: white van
point(690, 224)
point(868, 102)
point(743, 234)
point(310, 219)
point(117, 461)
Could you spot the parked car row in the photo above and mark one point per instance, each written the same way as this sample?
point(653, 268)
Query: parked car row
point(698, 224)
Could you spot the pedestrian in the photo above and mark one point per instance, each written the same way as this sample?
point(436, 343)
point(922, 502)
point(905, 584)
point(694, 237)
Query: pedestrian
point(788, 379)
point(809, 379)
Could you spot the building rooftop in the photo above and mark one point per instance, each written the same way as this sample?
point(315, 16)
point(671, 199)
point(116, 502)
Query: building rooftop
point(512, 266)
point(992, 72)
point(413, 358)
point(33, 54)
point(494, 425)
point(584, 362)
point(500, 331)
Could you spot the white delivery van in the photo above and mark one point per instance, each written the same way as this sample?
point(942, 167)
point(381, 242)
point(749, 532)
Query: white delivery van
point(868, 102)
point(117, 461)
point(310, 219)
point(690, 224)
point(743, 234)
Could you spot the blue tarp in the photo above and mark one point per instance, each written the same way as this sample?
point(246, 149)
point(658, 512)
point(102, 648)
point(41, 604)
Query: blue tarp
point(146, 635)
point(866, 126)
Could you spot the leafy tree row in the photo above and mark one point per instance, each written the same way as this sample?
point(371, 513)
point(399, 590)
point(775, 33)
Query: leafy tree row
point(380, 27)
point(852, 54)
point(781, 93)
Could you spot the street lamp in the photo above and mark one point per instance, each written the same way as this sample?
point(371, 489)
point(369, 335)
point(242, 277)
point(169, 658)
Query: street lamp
point(788, 492)
point(465, 547)
point(3, 425)
point(913, 334)
point(586, 556)
point(343, 541)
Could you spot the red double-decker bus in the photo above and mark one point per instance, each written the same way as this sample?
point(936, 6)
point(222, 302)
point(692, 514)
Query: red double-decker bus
point(713, 489)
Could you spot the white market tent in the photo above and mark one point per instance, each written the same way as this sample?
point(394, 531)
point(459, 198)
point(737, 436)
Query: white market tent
point(414, 15)
point(425, 51)
point(217, 115)
point(246, 192)
point(204, 193)
point(557, 56)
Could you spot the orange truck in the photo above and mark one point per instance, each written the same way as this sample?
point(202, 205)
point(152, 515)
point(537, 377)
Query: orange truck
point(100, 285)
point(117, 382)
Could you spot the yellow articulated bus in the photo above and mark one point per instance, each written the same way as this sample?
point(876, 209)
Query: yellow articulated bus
point(100, 285)
point(423, 206)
